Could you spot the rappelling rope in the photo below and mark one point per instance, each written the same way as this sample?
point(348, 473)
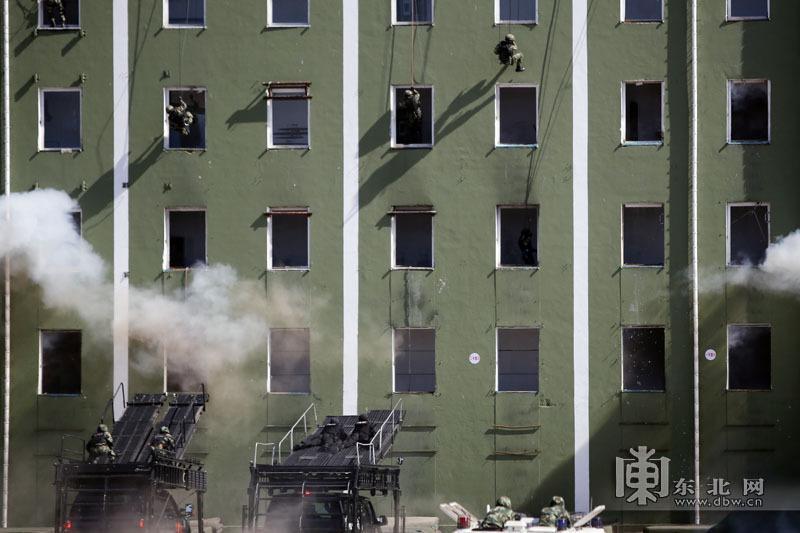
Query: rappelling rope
point(413, 39)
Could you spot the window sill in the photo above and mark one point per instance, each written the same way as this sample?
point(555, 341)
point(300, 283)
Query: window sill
point(289, 393)
point(288, 25)
point(410, 146)
point(416, 393)
point(516, 267)
point(629, 391)
point(289, 147)
point(185, 27)
point(643, 143)
point(193, 150)
point(518, 22)
point(642, 266)
point(516, 392)
point(734, 143)
point(178, 270)
point(742, 19)
point(64, 395)
point(529, 146)
point(642, 21)
point(734, 266)
point(62, 150)
point(57, 28)
point(748, 390)
point(421, 269)
point(290, 269)
point(402, 23)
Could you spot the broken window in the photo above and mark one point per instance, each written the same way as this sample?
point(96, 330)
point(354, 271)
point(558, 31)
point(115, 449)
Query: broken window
point(642, 112)
point(643, 11)
point(185, 119)
point(748, 234)
point(289, 360)
point(749, 359)
point(749, 111)
point(643, 235)
point(185, 13)
point(76, 221)
point(64, 15)
point(60, 362)
point(288, 12)
point(518, 360)
point(60, 119)
point(412, 229)
point(412, 11)
point(516, 110)
point(412, 116)
point(748, 9)
point(518, 236)
point(186, 247)
point(515, 11)
point(288, 110)
point(288, 239)
point(643, 359)
point(414, 360)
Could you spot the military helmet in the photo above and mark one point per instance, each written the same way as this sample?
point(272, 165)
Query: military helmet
point(408, 93)
point(510, 37)
point(557, 500)
point(164, 429)
point(102, 428)
point(330, 422)
point(362, 418)
point(504, 501)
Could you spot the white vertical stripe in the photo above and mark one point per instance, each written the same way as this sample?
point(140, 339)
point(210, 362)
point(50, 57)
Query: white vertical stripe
point(580, 249)
point(350, 206)
point(121, 150)
point(7, 266)
point(695, 280)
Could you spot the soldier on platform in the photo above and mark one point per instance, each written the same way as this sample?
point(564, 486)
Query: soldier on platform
point(508, 53)
point(496, 518)
point(163, 443)
point(331, 438)
point(179, 117)
point(362, 433)
point(552, 513)
point(100, 445)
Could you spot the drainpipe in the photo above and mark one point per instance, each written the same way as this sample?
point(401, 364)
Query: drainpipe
point(695, 269)
point(7, 268)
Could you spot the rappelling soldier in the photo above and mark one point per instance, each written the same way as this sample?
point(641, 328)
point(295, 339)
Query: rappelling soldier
point(100, 445)
point(508, 53)
point(409, 113)
point(55, 12)
point(179, 116)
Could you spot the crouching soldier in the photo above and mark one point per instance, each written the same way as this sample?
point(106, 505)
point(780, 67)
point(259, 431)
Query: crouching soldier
point(508, 53)
point(163, 443)
point(362, 433)
point(330, 438)
point(496, 519)
point(555, 511)
point(101, 445)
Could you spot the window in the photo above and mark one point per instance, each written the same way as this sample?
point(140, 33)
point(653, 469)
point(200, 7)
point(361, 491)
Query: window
point(60, 119)
point(518, 360)
point(412, 234)
point(412, 116)
point(184, 13)
point(642, 11)
point(288, 111)
point(66, 16)
point(748, 114)
point(749, 359)
point(643, 235)
point(748, 9)
point(642, 112)
point(412, 11)
point(185, 119)
point(289, 361)
point(76, 219)
point(182, 376)
point(748, 234)
point(643, 359)
point(288, 13)
point(414, 360)
point(517, 236)
point(287, 239)
point(185, 246)
point(59, 362)
point(515, 11)
point(516, 115)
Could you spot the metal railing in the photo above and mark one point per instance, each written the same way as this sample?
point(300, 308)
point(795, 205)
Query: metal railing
point(289, 435)
point(393, 420)
point(110, 404)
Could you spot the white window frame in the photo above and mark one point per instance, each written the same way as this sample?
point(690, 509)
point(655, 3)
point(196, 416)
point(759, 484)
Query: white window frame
point(393, 241)
point(297, 211)
point(166, 24)
point(728, 227)
point(269, 363)
point(729, 104)
point(624, 112)
point(728, 356)
point(393, 109)
point(498, 21)
point(497, 89)
point(40, 141)
point(79, 211)
point(622, 358)
point(497, 390)
point(167, 211)
point(394, 359)
point(623, 20)
point(40, 19)
point(166, 117)
point(498, 233)
point(622, 262)
point(286, 90)
point(271, 24)
point(39, 391)
point(730, 18)
point(396, 22)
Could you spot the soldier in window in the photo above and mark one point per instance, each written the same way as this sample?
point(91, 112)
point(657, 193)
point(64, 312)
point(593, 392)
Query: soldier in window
point(179, 117)
point(55, 12)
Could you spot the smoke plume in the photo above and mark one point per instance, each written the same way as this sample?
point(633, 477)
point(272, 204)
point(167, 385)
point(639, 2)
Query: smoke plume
point(780, 271)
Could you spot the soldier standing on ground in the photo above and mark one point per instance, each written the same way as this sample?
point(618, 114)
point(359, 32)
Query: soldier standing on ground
point(508, 53)
point(100, 445)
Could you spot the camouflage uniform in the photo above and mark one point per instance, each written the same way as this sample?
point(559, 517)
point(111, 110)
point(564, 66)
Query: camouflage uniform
point(163, 443)
point(497, 517)
point(525, 243)
point(179, 117)
point(362, 433)
point(55, 11)
point(508, 53)
point(554, 512)
point(100, 445)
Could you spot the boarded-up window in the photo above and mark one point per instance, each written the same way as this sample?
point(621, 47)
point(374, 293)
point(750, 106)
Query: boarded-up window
point(518, 236)
point(413, 240)
point(643, 359)
point(60, 371)
point(60, 119)
point(54, 17)
point(289, 12)
point(413, 11)
point(414, 360)
point(288, 111)
point(412, 116)
point(187, 239)
point(186, 12)
point(643, 10)
point(290, 360)
point(518, 360)
point(643, 235)
point(516, 11)
point(185, 135)
point(643, 121)
point(749, 357)
point(289, 240)
point(749, 234)
point(516, 116)
point(748, 9)
point(749, 111)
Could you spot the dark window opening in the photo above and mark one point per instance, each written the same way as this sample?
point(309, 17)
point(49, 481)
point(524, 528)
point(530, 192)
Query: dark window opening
point(517, 115)
point(749, 120)
point(416, 11)
point(517, 10)
point(187, 239)
point(187, 126)
point(290, 360)
point(749, 359)
point(413, 116)
point(290, 12)
point(519, 237)
point(643, 236)
point(643, 112)
point(643, 11)
point(413, 240)
point(414, 360)
point(643, 359)
point(183, 377)
point(61, 119)
point(749, 8)
point(75, 218)
point(289, 117)
point(66, 15)
point(61, 362)
point(518, 360)
point(187, 12)
point(289, 240)
point(749, 234)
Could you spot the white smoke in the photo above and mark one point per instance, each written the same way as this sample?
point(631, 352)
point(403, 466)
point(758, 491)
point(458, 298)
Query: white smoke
point(780, 271)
